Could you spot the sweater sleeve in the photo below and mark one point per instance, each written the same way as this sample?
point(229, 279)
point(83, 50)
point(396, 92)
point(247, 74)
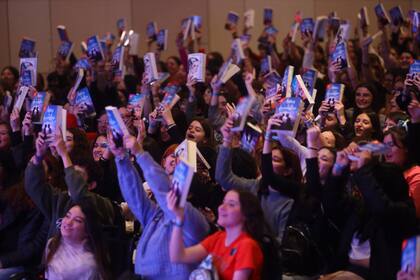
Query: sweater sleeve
point(132, 190)
point(226, 178)
point(294, 145)
point(215, 117)
point(195, 223)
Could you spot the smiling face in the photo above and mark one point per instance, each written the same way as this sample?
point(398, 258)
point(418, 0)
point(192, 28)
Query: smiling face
point(172, 66)
point(362, 125)
point(73, 228)
point(364, 98)
point(230, 214)
point(195, 132)
point(279, 165)
point(99, 148)
point(397, 154)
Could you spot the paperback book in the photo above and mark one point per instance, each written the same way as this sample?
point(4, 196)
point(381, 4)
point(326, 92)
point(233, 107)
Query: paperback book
point(397, 16)
point(62, 33)
point(249, 19)
point(150, 67)
point(286, 83)
point(65, 49)
point(189, 152)
point(181, 181)
point(39, 105)
point(289, 112)
point(272, 83)
point(162, 39)
point(232, 20)
point(116, 124)
point(170, 98)
point(250, 136)
point(343, 33)
point(27, 48)
point(238, 52)
point(185, 28)
point(71, 96)
point(196, 24)
point(320, 28)
point(136, 104)
point(265, 66)
point(334, 93)
point(381, 14)
point(28, 70)
point(20, 97)
point(309, 78)
point(410, 254)
point(307, 26)
point(134, 44)
point(363, 17)
point(197, 67)
point(84, 99)
point(241, 112)
point(117, 61)
point(268, 16)
point(340, 56)
point(151, 30)
point(299, 90)
point(227, 70)
point(94, 48)
point(121, 24)
point(55, 119)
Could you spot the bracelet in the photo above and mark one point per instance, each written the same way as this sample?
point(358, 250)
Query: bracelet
point(313, 148)
point(177, 223)
point(171, 125)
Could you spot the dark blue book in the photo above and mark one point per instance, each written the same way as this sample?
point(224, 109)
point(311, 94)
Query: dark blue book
point(117, 61)
point(62, 33)
point(271, 30)
point(410, 254)
point(307, 26)
point(340, 56)
point(268, 16)
point(116, 125)
point(381, 14)
point(121, 24)
point(242, 111)
point(415, 25)
point(151, 30)
point(38, 106)
point(397, 16)
point(84, 99)
point(94, 48)
point(82, 63)
point(181, 181)
point(363, 17)
point(232, 20)
point(65, 49)
point(162, 39)
point(250, 136)
point(289, 112)
point(28, 70)
point(415, 67)
point(309, 78)
point(265, 66)
point(27, 48)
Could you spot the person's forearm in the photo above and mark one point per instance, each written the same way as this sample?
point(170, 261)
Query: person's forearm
point(67, 160)
point(176, 245)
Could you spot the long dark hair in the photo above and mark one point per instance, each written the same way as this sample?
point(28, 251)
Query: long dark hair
point(399, 137)
point(95, 239)
point(375, 131)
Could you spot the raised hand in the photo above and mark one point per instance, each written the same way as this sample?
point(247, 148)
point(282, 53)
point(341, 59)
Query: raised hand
point(41, 145)
point(57, 142)
point(116, 151)
point(414, 109)
point(131, 144)
point(15, 120)
point(226, 130)
point(172, 202)
point(27, 124)
point(313, 135)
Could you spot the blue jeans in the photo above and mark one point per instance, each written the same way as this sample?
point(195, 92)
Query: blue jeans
point(5, 273)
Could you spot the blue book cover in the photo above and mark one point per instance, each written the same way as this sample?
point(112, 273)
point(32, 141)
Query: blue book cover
point(197, 22)
point(415, 25)
point(82, 63)
point(381, 14)
point(38, 106)
point(117, 59)
point(94, 48)
point(52, 120)
point(62, 33)
point(83, 98)
point(271, 30)
point(415, 67)
point(410, 254)
point(309, 78)
point(135, 99)
point(121, 24)
point(268, 16)
point(27, 48)
point(170, 94)
point(250, 137)
point(307, 26)
point(363, 17)
point(242, 111)
point(265, 66)
point(339, 55)
point(232, 18)
point(289, 112)
point(65, 49)
point(397, 16)
point(272, 84)
point(181, 181)
point(162, 39)
point(334, 93)
point(151, 30)
point(28, 67)
point(116, 124)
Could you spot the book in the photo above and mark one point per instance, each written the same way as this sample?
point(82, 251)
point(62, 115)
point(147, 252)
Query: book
point(343, 33)
point(94, 48)
point(410, 254)
point(309, 77)
point(375, 148)
point(181, 181)
point(245, 39)
point(381, 14)
point(293, 30)
point(151, 30)
point(84, 99)
point(415, 67)
point(150, 67)
point(185, 28)
point(268, 16)
point(187, 151)
point(20, 97)
point(197, 66)
point(307, 26)
point(286, 83)
point(265, 65)
point(340, 56)
point(289, 112)
point(117, 61)
point(227, 70)
point(320, 28)
point(62, 33)
point(397, 16)
point(65, 49)
point(55, 118)
point(272, 83)
point(196, 24)
point(121, 24)
point(271, 30)
point(134, 43)
point(27, 48)
point(250, 136)
point(334, 93)
point(241, 112)
point(71, 96)
point(162, 39)
point(28, 71)
point(249, 18)
point(299, 90)
point(170, 98)
point(83, 47)
point(238, 51)
point(334, 23)
point(136, 104)
point(415, 25)
point(363, 17)
point(231, 20)
point(163, 76)
point(38, 106)
point(116, 125)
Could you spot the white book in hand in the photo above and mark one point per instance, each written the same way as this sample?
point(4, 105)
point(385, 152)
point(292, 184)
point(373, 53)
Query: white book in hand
point(134, 44)
point(241, 112)
point(299, 89)
point(116, 124)
point(249, 18)
point(181, 181)
point(197, 66)
point(55, 118)
point(150, 67)
point(286, 84)
point(20, 97)
point(227, 70)
point(187, 151)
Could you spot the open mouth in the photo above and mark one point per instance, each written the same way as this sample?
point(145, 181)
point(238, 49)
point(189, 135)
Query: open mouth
point(190, 136)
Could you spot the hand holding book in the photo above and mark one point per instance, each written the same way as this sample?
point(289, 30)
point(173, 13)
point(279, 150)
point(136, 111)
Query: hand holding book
point(27, 126)
point(226, 131)
point(172, 200)
point(15, 120)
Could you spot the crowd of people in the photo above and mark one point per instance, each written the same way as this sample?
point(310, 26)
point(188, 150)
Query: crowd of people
point(316, 205)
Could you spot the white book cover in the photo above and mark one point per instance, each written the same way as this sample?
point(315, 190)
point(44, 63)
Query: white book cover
point(197, 66)
point(242, 111)
point(293, 31)
point(150, 67)
point(231, 69)
point(181, 181)
point(187, 151)
point(20, 97)
point(249, 18)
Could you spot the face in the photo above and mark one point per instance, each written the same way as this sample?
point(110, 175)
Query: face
point(230, 214)
point(362, 124)
point(69, 141)
point(328, 139)
point(195, 132)
point(405, 60)
point(325, 162)
point(396, 154)
point(4, 137)
point(331, 120)
point(7, 77)
point(99, 148)
point(172, 66)
point(102, 124)
point(169, 164)
point(279, 165)
point(73, 226)
point(388, 81)
point(388, 124)
point(364, 98)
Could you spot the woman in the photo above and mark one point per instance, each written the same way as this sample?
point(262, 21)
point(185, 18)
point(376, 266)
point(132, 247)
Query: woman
point(396, 140)
point(235, 250)
point(9, 78)
point(367, 126)
point(77, 250)
point(175, 69)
